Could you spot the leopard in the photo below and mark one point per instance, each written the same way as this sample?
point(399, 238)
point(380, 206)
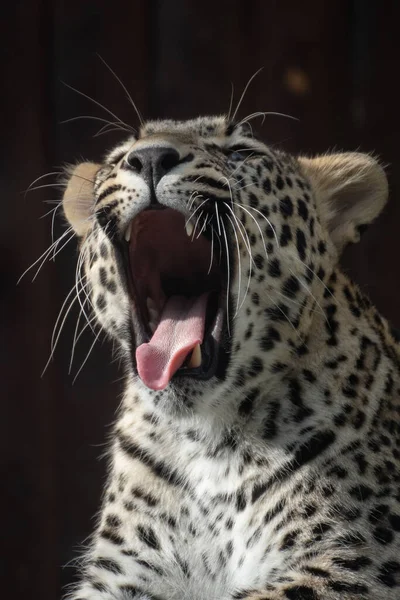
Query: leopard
point(256, 450)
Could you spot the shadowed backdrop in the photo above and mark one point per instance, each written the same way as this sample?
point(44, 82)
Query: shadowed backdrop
point(332, 65)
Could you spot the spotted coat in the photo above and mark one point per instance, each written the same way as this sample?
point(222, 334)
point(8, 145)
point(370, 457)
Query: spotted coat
point(278, 478)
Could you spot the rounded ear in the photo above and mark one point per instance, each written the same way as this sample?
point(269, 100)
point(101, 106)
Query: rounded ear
point(78, 200)
point(351, 190)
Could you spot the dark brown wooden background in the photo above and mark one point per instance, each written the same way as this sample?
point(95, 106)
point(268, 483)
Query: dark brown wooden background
point(333, 65)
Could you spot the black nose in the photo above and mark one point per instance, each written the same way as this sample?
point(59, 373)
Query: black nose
point(153, 163)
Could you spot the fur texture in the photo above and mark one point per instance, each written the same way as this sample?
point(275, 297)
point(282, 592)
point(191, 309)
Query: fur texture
point(279, 478)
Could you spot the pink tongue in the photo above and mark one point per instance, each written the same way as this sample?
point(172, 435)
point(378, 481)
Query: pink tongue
point(180, 329)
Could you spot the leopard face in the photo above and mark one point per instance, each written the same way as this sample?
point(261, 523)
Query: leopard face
point(206, 252)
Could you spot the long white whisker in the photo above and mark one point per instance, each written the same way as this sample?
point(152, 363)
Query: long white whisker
point(217, 213)
point(87, 356)
point(212, 251)
point(195, 211)
point(77, 337)
point(100, 105)
point(45, 254)
point(228, 278)
point(257, 225)
point(230, 103)
point(195, 227)
point(244, 92)
point(41, 177)
point(124, 88)
point(239, 267)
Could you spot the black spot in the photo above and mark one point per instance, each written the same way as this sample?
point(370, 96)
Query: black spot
point(103, 250)
point(267, 185)
point(387, 573)
point(256, 367)
point(157, 466)
point(112, 286)
point(277, 313)
point(148, 536)
point(269, 430)
point(279, 182)
point(108, 564)
point(286, 206)
point(361, 492)
point(286, 235)
point(101, 302)
point(246, 405)
point(350, 588)
point(317, 444)
point(302, 209)
point(258, 490)
point(274, 268)
point(301, 243)
point(271, 336)
point(383, 535)
point(353, 564)
point(295, 396)
point(149, 499)
point(309, 376)
point(289, 540)
point(291, 286)
point(259, 261)
point(112, 536)
point(103, 276)
point(301, 592)
point(113, 521)
point(240, 501)
point(317, 572)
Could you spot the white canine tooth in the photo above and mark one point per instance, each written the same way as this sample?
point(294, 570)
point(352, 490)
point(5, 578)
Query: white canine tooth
point(195, 359)
point(189, 228)
point(128, 233)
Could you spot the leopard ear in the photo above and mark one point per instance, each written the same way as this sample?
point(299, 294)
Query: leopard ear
point(351, 190)
point(78, 200)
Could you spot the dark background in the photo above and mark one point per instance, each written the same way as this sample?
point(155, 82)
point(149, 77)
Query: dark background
point(332, 64)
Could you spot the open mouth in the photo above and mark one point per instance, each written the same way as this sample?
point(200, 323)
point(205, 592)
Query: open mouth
point(178, 294)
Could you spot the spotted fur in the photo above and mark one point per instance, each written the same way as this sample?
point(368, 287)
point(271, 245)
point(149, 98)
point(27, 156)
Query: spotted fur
point(277, 479)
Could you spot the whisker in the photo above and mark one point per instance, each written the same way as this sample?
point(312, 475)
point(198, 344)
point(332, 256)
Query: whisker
point(43, 257)
point(266, 219)
point(212, 251)
point(124, 88)
point(100, 105)
point(228, 278)
point(266, 114)
point(230, 103)
point(257, 225)
point(39, 178)
point(244, 92)
point(239, 266)
point(87, 356)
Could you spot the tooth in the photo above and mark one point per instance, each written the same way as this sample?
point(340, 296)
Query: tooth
point(128, 233)
point(152, 326)
point(189, 228)
point(195, 359)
